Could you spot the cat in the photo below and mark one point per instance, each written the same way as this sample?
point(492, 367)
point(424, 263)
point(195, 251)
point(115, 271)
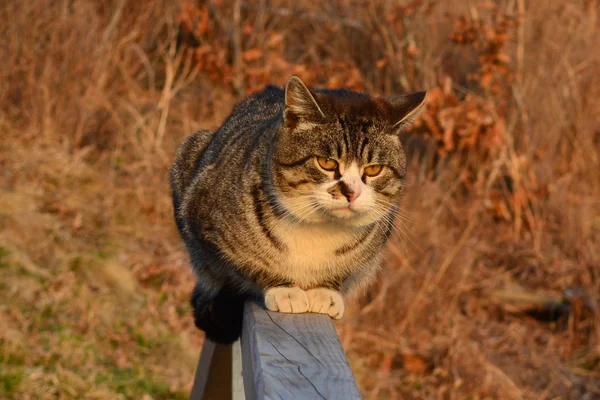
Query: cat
point(290, 201)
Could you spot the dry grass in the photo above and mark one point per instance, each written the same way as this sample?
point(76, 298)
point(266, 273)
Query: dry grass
point(492, 291)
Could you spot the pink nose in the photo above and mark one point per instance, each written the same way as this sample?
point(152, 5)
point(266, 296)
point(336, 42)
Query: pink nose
point(351, 192)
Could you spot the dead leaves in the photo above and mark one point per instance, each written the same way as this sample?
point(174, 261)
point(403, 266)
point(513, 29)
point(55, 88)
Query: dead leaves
point(490, 40)
point(459, 125)
point(413, 363)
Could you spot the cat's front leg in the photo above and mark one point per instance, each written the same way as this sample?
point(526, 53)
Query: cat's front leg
point(286, 299)
point(326, 301)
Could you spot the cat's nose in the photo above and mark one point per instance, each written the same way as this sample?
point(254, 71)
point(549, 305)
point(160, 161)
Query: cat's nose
point(351, 193)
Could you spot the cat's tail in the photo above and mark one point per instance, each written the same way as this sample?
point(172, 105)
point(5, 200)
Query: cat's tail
point(219, 316)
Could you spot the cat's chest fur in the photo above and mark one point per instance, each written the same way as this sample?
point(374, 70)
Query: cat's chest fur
point(312, 252)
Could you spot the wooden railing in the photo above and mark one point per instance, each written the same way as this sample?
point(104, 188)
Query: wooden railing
point(279, 356)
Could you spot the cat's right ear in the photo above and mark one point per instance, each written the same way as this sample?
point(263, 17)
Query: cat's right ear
point(405, 108)
point(300, 105)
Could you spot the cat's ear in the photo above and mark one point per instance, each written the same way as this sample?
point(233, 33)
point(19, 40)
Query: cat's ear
point(405, 108)
point(299, 102)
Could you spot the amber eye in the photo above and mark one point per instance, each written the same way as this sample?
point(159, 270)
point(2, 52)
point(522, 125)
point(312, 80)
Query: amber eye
point(373, 170)
point(327, 164)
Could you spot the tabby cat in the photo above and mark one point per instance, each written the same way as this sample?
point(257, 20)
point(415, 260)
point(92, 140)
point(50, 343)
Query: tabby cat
point(290, 201)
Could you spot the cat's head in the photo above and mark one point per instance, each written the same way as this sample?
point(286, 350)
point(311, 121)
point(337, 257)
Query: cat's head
point(338, 155)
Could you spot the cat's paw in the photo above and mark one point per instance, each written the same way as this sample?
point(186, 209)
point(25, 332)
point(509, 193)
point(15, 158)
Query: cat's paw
point(326, 301)
point(286, 300)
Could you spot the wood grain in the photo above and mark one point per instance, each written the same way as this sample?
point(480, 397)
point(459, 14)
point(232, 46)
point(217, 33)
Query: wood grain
point(288, 356)
point(213, 379)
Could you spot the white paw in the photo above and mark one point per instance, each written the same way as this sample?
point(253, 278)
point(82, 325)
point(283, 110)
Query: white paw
point(326, 301)
point(286, 300)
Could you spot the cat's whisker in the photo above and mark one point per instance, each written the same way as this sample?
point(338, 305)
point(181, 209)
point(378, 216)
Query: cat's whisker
point(402, 233)
point(407, 215)
point(390, 219)
point(301, 212)
point(393, 216)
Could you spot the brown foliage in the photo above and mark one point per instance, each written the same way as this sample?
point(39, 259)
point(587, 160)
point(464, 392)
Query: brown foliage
point(491, 285)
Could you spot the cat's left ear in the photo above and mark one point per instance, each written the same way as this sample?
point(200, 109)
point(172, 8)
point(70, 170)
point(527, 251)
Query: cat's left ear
point(405, 108)
point(299, 102)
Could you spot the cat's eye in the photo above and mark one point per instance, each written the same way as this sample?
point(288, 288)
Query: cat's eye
point(373, 170)
point(327, 164)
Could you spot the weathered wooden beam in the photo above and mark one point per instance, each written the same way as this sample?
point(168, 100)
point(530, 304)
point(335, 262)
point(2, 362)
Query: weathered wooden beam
point(288, 356)
point(213, 378)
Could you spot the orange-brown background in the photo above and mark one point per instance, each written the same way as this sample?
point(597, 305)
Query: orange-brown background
point(491, 284)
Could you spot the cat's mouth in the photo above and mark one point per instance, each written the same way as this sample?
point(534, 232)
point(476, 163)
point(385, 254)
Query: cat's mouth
point(347, 211)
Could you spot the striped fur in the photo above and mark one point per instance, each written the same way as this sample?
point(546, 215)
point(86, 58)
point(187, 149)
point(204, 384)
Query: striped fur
point(256, 210)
